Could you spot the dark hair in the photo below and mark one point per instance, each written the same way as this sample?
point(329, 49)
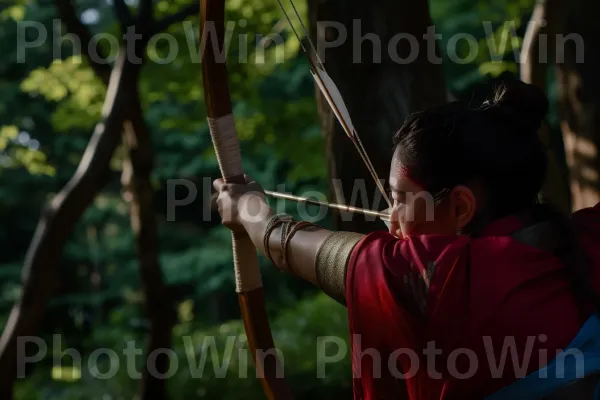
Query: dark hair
point(495, 144)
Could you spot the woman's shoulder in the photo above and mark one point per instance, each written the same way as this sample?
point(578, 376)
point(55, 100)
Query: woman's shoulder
point(383, 249)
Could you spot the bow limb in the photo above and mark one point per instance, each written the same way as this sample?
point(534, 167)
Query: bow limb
point(247, 272)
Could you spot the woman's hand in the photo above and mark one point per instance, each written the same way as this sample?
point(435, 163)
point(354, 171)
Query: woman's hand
point(393, 224)
point(241, 203)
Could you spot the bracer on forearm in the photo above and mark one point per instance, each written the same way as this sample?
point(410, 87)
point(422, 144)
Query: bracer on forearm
point(332, 263)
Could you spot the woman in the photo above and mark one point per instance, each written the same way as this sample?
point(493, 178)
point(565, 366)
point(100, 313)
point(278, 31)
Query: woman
point(476, 287)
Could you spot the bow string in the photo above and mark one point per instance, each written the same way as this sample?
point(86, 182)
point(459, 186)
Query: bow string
point(333, 96)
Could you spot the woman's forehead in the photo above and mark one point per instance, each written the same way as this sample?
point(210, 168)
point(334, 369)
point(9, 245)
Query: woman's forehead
point(401, 179)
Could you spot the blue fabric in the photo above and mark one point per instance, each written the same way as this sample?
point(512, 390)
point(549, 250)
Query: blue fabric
point(562, 370)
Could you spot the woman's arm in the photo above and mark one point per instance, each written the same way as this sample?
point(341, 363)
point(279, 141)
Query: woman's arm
point(315, 254)
point(302, 247)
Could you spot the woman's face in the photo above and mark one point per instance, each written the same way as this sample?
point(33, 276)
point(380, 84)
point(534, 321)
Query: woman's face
point(414, 211)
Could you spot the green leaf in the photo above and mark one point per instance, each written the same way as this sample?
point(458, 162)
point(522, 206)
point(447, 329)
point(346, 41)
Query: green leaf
point(16, 12)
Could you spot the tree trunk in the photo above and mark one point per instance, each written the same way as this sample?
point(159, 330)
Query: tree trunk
point(534, 70)
point(138, 192)
point(40, 271)
point(572, 44)
point(122, 110)
point(579, 97)
point(381, 80)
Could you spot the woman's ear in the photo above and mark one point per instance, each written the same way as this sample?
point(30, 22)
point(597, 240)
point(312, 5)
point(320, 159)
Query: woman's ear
point(463, 206)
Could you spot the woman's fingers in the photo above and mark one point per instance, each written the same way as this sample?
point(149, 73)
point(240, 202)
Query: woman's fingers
point(232, 201)
point(394, 226)
point(219, 185)
point(238, 189)
point(238, 203)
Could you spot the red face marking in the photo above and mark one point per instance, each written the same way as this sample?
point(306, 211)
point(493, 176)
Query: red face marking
point(404, 172)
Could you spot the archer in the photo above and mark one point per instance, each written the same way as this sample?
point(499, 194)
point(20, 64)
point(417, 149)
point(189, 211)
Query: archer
point(493, 265)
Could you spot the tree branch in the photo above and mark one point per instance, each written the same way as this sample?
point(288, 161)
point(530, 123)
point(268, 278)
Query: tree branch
point(179, 16)
point(68, 15)
point(139, 194)
point(40, 270)
point(533, 71)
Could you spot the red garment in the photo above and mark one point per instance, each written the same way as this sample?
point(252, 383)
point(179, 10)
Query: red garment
point(465, 298)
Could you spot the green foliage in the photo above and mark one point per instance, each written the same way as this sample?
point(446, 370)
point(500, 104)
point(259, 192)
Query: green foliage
point(15, 12)
point(490, 35)
point(270, 84)
point(57, 101)
point(76, 88)
point(211, 363)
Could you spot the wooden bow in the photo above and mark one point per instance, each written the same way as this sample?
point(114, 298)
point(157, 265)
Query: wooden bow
point(247, 272)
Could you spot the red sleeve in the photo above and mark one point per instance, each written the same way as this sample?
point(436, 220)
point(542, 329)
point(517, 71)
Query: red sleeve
point(384, 270)
point(387, 284)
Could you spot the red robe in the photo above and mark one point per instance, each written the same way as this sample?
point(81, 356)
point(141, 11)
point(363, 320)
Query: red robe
point(439, 316)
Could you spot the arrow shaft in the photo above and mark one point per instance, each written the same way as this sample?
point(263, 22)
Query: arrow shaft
point(340, 207)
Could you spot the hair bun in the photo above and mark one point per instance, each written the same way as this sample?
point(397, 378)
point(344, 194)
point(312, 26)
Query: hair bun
point(525, 105)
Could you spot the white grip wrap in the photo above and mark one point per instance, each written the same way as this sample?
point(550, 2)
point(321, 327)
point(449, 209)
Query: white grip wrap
point(224, 137)
point(247, 270)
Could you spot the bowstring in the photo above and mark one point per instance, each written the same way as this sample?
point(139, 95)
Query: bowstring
point(352, 135)
point(370, 166)
point(292, 25)
point(306, 34)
